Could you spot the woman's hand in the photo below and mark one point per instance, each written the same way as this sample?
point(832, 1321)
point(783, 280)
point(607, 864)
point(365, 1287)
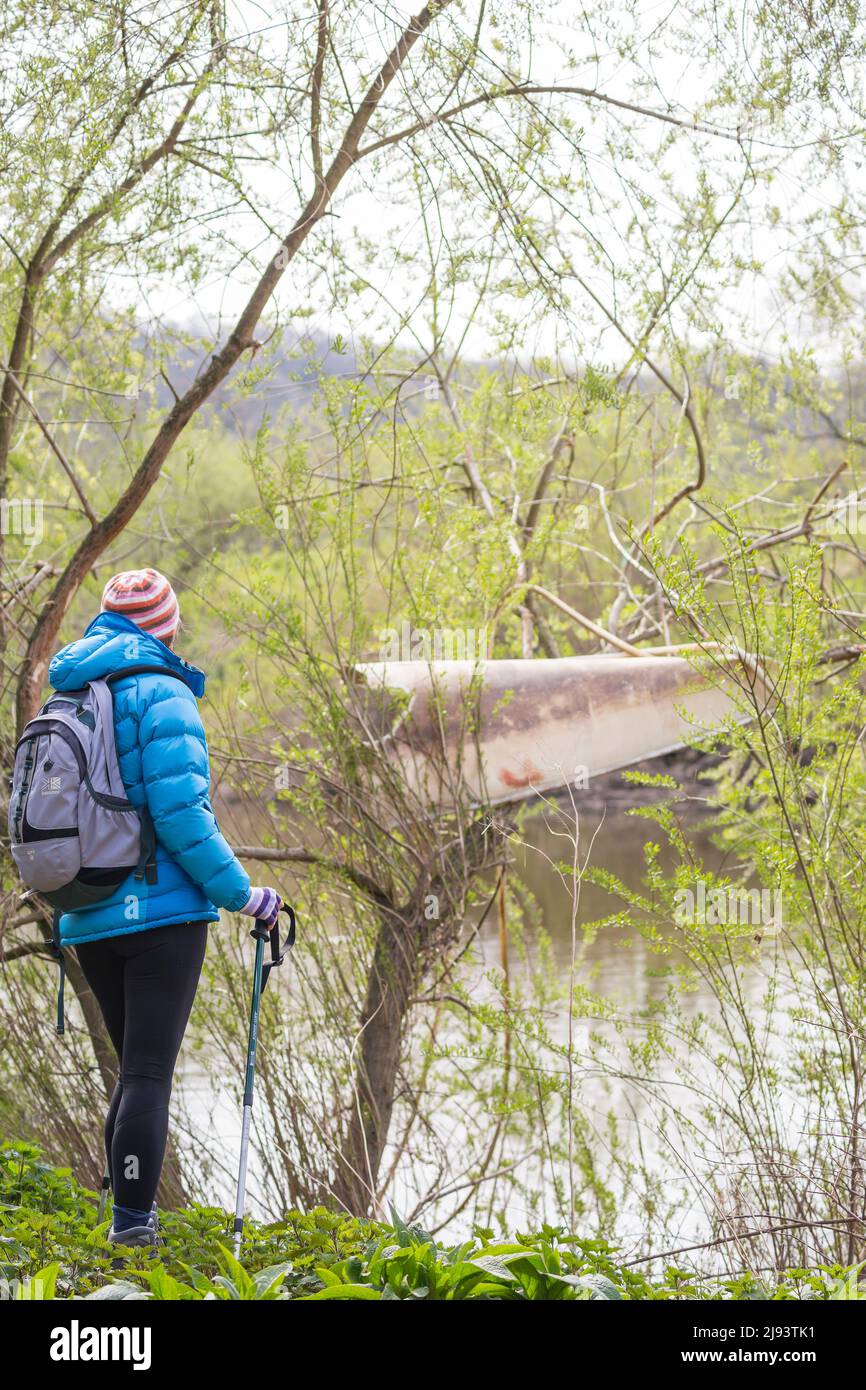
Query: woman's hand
point(264, 904)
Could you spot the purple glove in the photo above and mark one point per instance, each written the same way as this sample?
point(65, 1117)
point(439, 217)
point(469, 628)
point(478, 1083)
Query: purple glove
point(263, 903)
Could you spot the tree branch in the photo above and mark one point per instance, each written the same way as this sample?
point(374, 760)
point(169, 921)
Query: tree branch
point(361, 880)
point(36, 659)
point(526, 89)
point(54, 446)
point(316, 93)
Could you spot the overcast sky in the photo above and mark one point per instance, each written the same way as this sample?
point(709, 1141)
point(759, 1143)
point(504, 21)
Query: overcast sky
point(667, 74)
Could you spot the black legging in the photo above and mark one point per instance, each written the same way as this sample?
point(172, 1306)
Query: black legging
point(144, 983)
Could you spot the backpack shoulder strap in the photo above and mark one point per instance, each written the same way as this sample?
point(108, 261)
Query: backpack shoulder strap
point(144, 670)
point(60, 1025)
point(146, 866)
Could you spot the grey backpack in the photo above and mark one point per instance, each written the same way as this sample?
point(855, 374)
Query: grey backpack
point(74, 833)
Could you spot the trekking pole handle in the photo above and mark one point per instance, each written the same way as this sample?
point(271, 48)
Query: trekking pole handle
point(290, 934)
point(263, 932)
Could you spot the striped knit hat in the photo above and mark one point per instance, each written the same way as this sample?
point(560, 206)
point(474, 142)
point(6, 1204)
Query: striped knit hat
point(147, 598)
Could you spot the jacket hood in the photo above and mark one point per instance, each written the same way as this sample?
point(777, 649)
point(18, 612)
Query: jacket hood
point(111, 643)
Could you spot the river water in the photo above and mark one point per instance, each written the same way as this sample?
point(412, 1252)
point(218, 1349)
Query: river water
point(613, 961)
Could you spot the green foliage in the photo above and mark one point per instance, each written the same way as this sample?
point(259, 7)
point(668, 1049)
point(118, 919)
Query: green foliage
point(48, 1223)
point(767, 1068)
point(51, 1247)
point(405, 1264)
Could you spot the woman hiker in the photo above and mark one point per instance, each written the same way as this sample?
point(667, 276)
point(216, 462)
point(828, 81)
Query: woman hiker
point(142, 949)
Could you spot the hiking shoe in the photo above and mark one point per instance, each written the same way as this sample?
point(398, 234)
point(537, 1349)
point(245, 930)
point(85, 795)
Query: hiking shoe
point(134, 1236)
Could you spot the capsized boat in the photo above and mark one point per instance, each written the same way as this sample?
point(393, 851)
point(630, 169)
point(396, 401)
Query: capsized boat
point(502, 731)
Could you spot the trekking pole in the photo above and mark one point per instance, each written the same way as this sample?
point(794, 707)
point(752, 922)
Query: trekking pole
point(261, 933)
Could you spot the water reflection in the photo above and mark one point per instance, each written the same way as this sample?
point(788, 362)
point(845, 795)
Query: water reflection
point(613, 961)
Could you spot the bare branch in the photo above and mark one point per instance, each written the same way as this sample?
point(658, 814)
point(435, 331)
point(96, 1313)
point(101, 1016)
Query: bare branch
point(316, 93)
point(527, 89)
point(54, 446)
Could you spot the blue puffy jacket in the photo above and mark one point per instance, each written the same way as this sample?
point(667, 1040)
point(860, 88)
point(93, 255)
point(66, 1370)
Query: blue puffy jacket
point(162, 751)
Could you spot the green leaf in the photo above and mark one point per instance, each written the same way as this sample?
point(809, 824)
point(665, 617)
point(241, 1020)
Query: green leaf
point(599, 1286)
point(119, 1289)
point(362, 1291)
point(269, 1279)
point(495, 1264)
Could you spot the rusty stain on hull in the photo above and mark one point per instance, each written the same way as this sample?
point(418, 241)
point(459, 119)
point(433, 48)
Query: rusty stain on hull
point(530, 778)
point(500, 731)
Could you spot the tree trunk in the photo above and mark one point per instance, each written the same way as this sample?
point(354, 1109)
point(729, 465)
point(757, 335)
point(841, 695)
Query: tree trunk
point(390, 988)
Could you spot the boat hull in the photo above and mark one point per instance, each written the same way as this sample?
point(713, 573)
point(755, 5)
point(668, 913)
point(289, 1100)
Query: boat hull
point(495, 732)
